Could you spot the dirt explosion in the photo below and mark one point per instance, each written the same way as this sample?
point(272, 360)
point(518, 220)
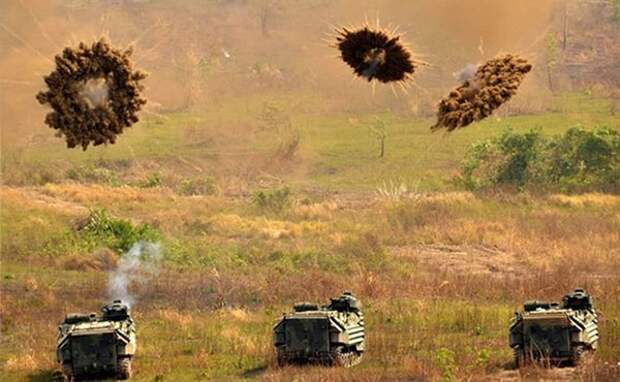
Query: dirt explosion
point(94, 93)
point(493, 84)
point(375, 54)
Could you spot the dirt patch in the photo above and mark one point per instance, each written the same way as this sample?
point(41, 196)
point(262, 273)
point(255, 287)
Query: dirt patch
point(469, 259)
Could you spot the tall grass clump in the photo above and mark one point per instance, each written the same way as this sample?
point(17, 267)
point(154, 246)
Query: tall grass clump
point(273, 200)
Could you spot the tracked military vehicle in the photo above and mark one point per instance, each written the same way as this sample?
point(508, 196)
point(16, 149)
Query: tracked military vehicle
point(91, 346)
point(331, 335)
point(555, 333)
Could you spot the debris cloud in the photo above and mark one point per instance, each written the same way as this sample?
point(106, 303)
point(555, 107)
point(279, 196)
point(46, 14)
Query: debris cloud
point(492, 85)
point(94, 94)
point(375, 54)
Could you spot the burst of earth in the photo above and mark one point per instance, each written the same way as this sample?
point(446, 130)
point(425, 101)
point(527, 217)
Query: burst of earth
point(375, 54)
point(493, 84)
point(94, 93)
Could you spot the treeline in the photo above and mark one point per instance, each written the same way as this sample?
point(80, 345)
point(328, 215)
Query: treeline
point(579, 160)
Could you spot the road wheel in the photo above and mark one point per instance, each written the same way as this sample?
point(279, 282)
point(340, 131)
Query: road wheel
point(281, 360)
point(124, 368)
point(519, 357)
point(67, 371)
point(59, 376)
point(578, 354)
point(345, 358)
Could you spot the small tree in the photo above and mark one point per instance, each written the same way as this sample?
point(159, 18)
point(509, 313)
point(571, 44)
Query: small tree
point(274, 120)
point(378, 130)
point(552, 57)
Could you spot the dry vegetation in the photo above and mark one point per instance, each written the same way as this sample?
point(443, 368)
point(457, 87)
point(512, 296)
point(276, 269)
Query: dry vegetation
point(440, 275)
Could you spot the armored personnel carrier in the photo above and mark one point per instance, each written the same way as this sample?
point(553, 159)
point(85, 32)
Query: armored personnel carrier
point(332, 334)
point(555, 333)
point(91, 346)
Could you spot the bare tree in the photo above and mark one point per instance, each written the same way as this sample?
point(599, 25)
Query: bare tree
point(267, 13)
point(552, 57)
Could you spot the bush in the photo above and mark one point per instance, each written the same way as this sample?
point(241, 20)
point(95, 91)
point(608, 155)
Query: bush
point(151, 181)
point(275, 200)
point(579, 160)
point(510, 159)
point(198, 186)
point(585, 160)
point(446, 360)
point(117, 234)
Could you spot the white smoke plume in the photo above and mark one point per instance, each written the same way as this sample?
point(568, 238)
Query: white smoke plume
point(467, 73)
point(95, 92)
point(136, 267)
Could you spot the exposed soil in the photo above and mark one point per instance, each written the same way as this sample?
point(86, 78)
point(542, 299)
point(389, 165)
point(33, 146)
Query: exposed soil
point(469, 259)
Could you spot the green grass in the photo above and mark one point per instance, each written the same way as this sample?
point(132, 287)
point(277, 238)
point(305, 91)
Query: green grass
point(336, 151)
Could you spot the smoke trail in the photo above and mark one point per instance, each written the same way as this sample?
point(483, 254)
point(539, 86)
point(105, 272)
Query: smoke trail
point(136, 266)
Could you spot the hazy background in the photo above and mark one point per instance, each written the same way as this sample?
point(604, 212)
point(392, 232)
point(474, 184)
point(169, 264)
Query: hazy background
point(239, 87)
point(201, 53)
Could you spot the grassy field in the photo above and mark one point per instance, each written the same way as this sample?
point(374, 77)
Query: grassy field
point(440, 271)
point(337, 151)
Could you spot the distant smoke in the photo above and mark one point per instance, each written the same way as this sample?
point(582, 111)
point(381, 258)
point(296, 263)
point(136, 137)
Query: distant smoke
point(467, 73)
point(374, 58)
point(136, 266)
point(95, 92)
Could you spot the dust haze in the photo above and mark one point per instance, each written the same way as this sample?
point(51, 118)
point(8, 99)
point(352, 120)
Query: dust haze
point(200, 53)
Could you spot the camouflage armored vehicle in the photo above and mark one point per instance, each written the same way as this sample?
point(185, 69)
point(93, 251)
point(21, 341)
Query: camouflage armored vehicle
point(91, 346)
point(555, 333)
point(332, 334)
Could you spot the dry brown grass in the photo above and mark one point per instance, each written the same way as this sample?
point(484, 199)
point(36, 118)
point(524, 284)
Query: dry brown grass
point(432, 271)
point(586, 200)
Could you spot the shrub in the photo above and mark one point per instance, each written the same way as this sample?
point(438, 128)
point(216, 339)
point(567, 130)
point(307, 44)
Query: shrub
point(579, 160)
point(275, 200)
point(446, 360)
point(198, 186)
point(584, 160)
point(510, 159)
point(117, 234)
point(153, 180)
